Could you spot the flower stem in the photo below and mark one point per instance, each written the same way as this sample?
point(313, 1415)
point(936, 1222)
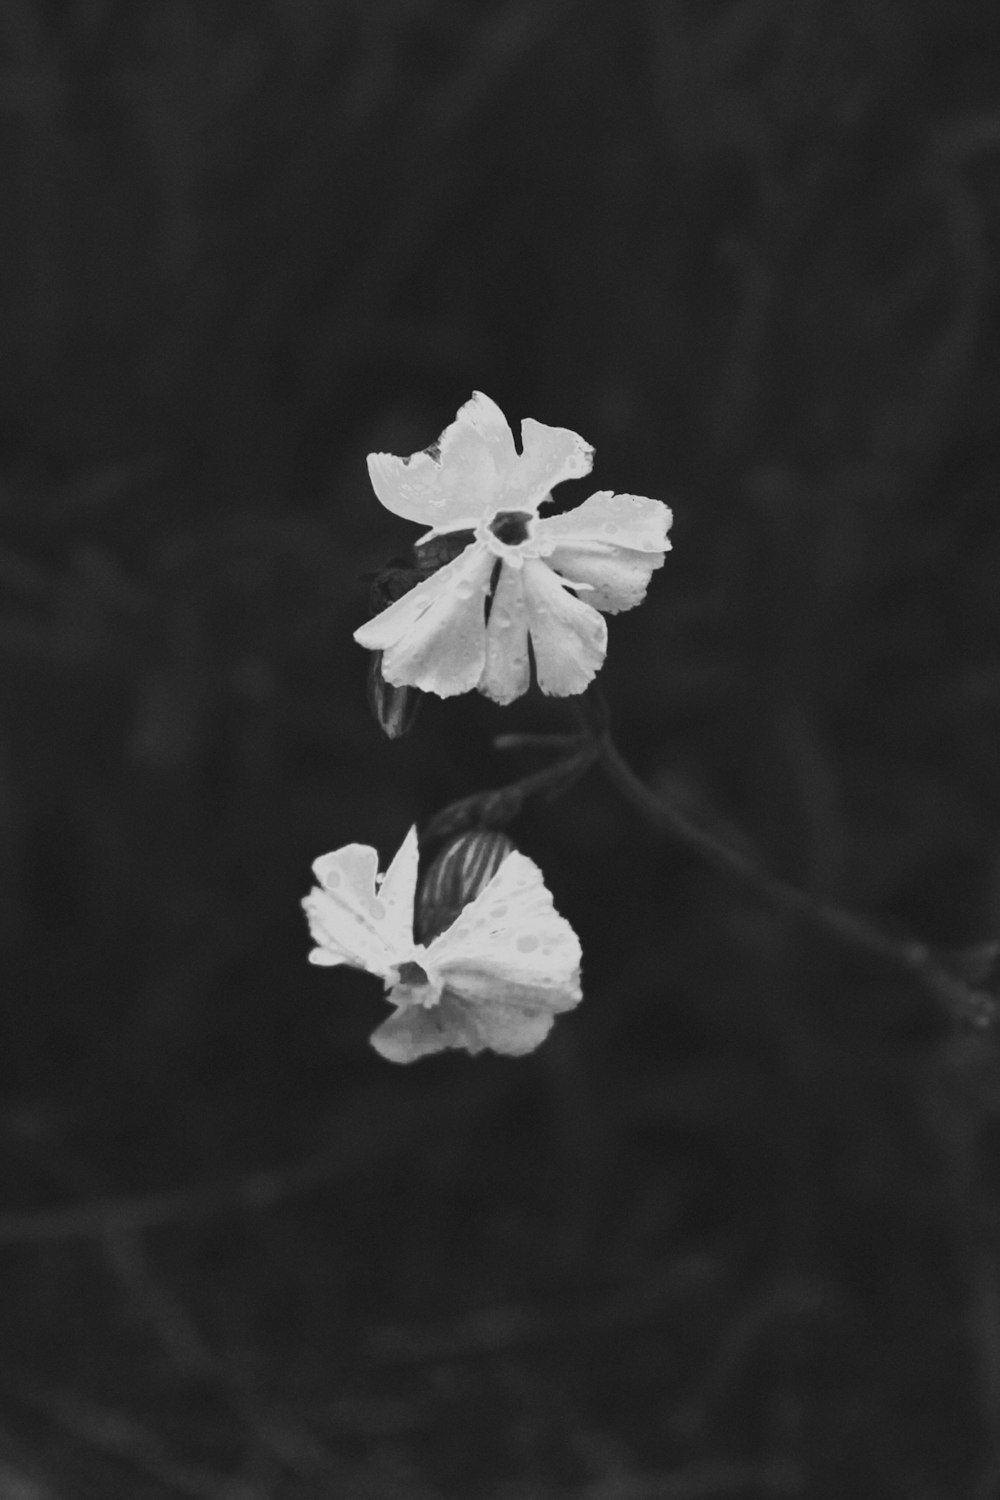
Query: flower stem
point(961, 1000)
point(498, 806)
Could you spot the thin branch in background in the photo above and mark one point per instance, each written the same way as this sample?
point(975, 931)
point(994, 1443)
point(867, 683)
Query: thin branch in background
point(288, 1444)
point(701, 1481)
point(500, 805)
point(380, 1124)
point(961, 1000)
point(113, 1433)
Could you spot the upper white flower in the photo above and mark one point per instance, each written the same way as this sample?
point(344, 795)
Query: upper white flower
point(437, 637)
point(496, 978)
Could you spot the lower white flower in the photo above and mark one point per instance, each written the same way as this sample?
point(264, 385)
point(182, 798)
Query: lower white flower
point(495, 979)
point(438, 637)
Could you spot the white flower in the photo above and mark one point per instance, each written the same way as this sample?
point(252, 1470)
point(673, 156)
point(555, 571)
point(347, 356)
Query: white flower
point(437, 636)
point(496, 978)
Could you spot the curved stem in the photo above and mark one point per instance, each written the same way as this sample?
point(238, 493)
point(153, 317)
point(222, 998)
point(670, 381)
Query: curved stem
point(498, 806)
point(960, 999)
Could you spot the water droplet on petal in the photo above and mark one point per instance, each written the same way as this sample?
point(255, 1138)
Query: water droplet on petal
point(464, 590)
point(610, 529)
point(498, 911)
point(527, 943)
point(331, 879)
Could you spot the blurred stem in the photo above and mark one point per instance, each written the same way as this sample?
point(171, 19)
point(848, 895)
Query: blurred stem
point(962, 1000)
point(500, 805)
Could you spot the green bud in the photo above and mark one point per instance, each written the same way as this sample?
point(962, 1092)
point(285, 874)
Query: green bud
point(395, 709)
point(455, 877)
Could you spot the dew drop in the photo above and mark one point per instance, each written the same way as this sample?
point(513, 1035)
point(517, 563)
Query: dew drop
point(464, 590)
point(610, 529)
point(331, 879)
point(503, 621)
point(498, 911)
point(527, 943)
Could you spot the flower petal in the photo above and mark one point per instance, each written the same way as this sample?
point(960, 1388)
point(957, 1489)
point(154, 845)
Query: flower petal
point(617, 520)
point(507, 673)
point(510, 952)
point(568, 637)
point(612, 543)
point(511, 1029)
point(548, 456)
point(453, 483)
point(616, 577)
point(350, 923)
point(434, 637)
point(397, 891)
point(415, 1031)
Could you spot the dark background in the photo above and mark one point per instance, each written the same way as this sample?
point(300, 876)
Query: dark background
point(733, 1230)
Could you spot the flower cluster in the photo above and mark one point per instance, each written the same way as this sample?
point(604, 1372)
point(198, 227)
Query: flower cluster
point(478, 957)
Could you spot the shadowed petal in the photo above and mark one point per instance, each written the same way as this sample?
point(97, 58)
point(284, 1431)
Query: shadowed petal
point(417, 1031)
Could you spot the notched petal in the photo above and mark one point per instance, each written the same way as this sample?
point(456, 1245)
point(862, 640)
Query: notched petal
point(548, 456)
point(568, 637)
point(452, 483)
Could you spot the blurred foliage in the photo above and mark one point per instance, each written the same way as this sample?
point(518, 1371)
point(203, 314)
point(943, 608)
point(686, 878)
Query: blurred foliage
point(733, 1231)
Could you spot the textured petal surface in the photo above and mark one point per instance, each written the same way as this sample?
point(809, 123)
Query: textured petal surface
point(613, 543)
point(434, 638)
point(568, 637)
point(548, 456)
point(452, 483)
point(510, 953)
point(616, 577)
point(349, 921)
point(622, 520)
point(507, 673)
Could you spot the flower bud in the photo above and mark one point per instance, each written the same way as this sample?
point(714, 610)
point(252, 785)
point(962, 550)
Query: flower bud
point(437, 551)
point(455, 877)
point(394, 709)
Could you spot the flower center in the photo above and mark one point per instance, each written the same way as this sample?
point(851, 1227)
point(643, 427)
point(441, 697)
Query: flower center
point(511, 526)
point(412, 973)
point(410, 984)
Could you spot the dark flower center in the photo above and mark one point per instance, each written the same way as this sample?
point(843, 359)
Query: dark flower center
point(510, 526)
point(411, 973)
